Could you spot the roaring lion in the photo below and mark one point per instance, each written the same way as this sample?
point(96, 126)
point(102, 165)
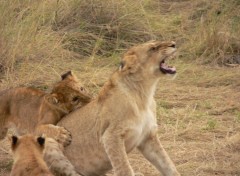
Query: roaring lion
point(28, 156)
point(30, 110)
point(121, 118)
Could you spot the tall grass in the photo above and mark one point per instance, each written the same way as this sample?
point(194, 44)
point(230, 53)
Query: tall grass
point(215, 35)
point(44, 30)
point(25, 35)
point(102, 26)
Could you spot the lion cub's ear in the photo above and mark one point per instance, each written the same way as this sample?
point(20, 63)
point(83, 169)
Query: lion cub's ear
point(41, 141)
point(13, 139)
point(69, 75)
point(52, 98)
point(129, 64)
point(121, 65)
point(66, 75)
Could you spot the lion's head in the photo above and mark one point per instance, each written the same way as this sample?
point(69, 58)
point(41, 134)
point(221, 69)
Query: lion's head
point(69, 93)
point(149, 58)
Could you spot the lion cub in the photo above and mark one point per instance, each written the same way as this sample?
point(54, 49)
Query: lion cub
point(28, 156)
point(30, 110)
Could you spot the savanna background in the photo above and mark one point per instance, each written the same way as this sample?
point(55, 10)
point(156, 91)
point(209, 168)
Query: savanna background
point(198, 109)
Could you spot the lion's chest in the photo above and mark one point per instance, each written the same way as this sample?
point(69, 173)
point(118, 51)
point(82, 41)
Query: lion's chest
point(141, 129)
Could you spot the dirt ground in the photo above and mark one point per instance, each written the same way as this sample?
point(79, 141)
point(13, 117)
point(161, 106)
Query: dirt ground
point(198, 117)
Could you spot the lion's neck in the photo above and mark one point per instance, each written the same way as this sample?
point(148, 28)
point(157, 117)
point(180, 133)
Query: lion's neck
point(141, 90)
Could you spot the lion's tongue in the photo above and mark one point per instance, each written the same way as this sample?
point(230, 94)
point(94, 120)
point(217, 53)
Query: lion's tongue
point(167, 69)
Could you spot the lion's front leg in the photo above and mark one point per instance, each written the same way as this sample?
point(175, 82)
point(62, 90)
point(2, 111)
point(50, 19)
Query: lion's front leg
point(153, 151)
point(115, 149)
point(56, 160)
point(58, 133)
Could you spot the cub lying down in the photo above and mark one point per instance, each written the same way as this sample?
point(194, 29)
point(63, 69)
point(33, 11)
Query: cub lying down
point(31, 110)
point(121, 118)
point(28, 156)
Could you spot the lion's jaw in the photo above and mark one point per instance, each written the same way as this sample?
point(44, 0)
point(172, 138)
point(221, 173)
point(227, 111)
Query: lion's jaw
point(158, 54)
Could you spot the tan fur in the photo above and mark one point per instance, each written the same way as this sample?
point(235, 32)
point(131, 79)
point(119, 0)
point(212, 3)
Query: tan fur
point(55, 155)
point(121, 118)
point(30, 110)
point(28, 157)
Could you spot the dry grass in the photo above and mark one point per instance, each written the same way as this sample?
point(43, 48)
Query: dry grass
point(51, 30)
point(198, 119)
point(215, 36)
point(198, 111)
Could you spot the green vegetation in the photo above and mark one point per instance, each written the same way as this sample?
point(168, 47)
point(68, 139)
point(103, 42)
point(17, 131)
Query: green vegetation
point(211, 124)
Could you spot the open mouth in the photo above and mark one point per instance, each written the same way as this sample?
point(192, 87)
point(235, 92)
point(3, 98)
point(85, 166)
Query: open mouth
point(167, 69)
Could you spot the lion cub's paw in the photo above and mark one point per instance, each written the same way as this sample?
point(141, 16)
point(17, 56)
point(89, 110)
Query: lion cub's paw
point(64, 137)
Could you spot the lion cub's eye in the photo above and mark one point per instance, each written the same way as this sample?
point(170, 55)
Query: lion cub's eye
point(81, 88)
point(75, 98)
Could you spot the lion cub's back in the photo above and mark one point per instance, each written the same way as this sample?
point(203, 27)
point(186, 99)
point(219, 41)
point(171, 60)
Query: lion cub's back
point(20, 95)
point(20, 102)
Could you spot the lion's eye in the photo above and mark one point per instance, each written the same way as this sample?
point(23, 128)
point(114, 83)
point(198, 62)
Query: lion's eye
point(75, 98)
point(154, 48)
point(81, 88)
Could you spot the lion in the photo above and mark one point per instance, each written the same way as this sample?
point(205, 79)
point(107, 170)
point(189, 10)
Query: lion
point(28, 156)
point(30, 110)
point(121, 118)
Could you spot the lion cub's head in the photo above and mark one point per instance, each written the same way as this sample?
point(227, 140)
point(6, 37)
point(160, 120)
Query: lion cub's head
point(26, 144)
point(149, 59)
point(69, 93)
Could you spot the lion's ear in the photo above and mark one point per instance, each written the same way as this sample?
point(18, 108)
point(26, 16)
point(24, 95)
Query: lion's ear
point(13, 139)
point(53, 99)
point(41, 141)
point(67, 75)
point(129, 64)
point(121, 65)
